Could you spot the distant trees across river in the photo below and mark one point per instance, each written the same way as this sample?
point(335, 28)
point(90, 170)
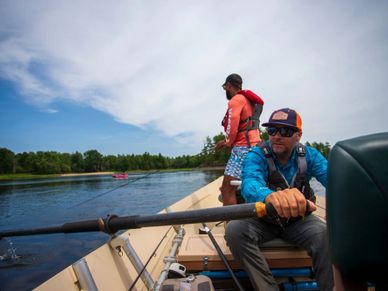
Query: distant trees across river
point(52, 162)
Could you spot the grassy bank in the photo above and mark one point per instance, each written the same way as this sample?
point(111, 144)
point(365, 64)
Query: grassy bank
point(26, 176)
point(37, 176)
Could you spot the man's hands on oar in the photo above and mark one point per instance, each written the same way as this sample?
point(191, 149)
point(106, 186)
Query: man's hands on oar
point(290, 203)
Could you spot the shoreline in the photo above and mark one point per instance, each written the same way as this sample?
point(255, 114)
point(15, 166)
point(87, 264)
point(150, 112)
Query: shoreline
point(141, 171)
point(20, 176)
point(86, 174)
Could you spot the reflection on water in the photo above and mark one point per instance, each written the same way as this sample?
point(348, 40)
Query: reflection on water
point(26, 262)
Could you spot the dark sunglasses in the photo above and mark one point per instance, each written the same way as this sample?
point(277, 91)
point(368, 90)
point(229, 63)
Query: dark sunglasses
point(284, 131)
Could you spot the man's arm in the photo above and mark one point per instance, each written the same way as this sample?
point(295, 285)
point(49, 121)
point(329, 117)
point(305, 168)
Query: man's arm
point(317, 164)
point(254, 177)
point(234, 111)
point(219, 145)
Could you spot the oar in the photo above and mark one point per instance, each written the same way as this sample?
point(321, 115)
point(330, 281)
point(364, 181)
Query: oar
point(113, 223)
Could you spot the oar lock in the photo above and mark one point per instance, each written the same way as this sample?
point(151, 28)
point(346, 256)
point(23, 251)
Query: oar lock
point(103, 223)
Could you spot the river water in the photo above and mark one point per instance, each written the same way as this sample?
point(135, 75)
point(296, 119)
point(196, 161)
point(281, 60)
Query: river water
point(26, 262)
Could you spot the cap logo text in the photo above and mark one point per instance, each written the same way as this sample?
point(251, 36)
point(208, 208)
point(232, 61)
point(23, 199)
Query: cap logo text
point(280, 115)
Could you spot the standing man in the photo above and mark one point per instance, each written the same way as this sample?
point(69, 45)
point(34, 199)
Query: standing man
point(278, 172)
point(241, 125)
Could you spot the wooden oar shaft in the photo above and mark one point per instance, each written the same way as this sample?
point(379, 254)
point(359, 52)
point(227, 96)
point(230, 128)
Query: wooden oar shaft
point(113, 223)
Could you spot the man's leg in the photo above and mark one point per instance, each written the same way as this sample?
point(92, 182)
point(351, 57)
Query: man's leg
point(232, 172)
point(310, 233)
point(243, 238)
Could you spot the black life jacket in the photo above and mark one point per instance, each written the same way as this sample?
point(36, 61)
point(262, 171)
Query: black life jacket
point(276, 180)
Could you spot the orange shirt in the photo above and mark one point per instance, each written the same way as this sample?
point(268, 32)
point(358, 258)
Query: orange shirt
point(239, 108)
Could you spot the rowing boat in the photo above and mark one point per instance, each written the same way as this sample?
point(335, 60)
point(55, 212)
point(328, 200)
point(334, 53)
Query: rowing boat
point(143, 258)
point(120, 176)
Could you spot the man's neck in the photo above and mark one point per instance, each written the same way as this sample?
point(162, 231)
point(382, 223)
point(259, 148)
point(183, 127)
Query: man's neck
point(234, 92)
point(283, 158)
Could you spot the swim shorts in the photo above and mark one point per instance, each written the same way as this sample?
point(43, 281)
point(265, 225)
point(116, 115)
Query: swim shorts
point(234, 166)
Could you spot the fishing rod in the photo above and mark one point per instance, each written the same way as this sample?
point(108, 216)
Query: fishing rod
point(113, 223)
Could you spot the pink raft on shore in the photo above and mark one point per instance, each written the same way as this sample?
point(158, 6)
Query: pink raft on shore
point(120, 176)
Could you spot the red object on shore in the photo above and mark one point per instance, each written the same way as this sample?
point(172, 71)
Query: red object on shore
point(120, 176)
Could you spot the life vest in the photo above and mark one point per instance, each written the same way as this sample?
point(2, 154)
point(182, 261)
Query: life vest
point(253, 121)
point(276, 180)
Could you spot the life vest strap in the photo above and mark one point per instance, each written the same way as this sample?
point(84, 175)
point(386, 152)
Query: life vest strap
point(299, 180)
point(267, 153)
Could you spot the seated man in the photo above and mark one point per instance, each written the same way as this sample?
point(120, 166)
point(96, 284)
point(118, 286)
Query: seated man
point(278, 172)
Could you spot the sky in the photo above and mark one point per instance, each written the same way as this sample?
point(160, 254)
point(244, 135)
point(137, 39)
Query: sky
point(128, 77)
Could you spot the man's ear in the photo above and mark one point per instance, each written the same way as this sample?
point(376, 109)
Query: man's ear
point(298, 135)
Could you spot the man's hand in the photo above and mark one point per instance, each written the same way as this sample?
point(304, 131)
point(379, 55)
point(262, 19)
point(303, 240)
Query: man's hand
point(289, 203)
point(220, 144)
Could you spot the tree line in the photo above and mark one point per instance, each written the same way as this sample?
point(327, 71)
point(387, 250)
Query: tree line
point(52, 162)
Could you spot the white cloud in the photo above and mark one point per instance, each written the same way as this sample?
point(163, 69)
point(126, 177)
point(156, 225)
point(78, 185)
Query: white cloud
point(161, 64)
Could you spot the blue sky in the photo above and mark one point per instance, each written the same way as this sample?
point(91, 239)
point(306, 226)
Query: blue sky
point(72, 128)
point(135, 76)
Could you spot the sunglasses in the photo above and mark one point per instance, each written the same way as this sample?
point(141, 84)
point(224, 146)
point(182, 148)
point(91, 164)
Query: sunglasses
point(284, 131)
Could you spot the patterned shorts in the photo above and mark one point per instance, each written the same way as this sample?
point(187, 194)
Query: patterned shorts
point(235, 162)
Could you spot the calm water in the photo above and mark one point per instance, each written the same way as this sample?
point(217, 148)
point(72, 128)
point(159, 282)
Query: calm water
point(26, 262)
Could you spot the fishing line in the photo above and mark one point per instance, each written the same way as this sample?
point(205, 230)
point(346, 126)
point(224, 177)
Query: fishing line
point(149, 259)
point(320, 207)
point(114, 189)
point(2, 259)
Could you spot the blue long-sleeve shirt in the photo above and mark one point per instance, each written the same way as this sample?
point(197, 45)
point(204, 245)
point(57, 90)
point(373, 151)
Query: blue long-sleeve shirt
point(255, 172)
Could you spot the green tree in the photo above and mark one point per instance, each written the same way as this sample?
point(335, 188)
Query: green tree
point(93, 161)
point(65, 162)
point(109, 163)
point(160, 162)
point(123, 163)
point(207, 153)
point(77, 162)
point(47, 162)
point(264, 134)
point(7, 161)
point(324, 148)
point(146, 161)
point(221, 156)
point(24, 162)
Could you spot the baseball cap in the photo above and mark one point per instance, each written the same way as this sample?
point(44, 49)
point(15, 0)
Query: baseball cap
point(234, 79)
point(286, 117)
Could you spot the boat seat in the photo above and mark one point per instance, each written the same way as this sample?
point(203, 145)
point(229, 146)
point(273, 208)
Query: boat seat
point(197, 253)
point(357, 212)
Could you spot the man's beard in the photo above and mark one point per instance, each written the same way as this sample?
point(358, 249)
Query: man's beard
point(228, 95)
